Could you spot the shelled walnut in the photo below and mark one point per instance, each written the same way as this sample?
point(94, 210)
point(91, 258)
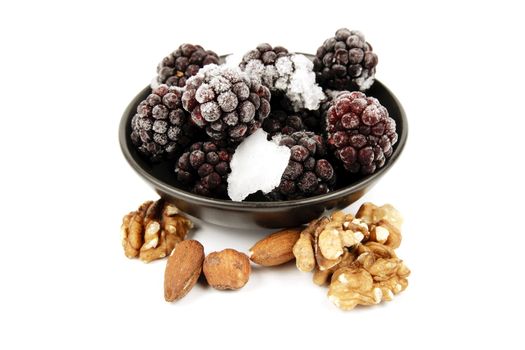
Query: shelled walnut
point(153, 230)
point(328, 238)
point(384, 223)
point(376, 275)
point(355, 255)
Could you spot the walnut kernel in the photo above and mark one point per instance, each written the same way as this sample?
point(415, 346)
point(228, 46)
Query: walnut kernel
point(153, 230)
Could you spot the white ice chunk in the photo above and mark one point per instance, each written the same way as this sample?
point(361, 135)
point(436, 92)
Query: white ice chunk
point(257, 164)
point(303, 91)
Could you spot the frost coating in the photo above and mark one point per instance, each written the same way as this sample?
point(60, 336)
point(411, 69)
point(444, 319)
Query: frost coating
point(257, 164)
point(292, 74)
point(302, 90)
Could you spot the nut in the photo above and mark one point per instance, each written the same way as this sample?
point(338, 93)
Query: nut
point(322, 277)
point(275, 249)
point(153, 230)
point(333, 236)
point(183, 269)
point(385, 223)
point(376, 274)
point(303, 249)
point(342, 231)
point(227, 269)
point(322, 262)
point(351, 287)
point(394, 235)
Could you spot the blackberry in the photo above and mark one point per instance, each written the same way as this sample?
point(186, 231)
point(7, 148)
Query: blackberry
point(345, 62)
point(283, 122)
point(226, 102)
point(272, 66)
point(360, 131)
point(183, 63)
point(161, 128)
point(308, 173)
point(204, 168)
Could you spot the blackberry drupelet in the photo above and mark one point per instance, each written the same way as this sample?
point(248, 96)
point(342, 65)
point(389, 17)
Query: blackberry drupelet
point(360, 131)
point(308, 173)
point(204, 168)
point(226, 102)
point(161, 127)
point(345, 62)
point(183, 63)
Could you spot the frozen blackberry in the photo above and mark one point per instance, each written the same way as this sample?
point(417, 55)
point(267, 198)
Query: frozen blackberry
point(285, 119)
point(226, 102)
point(272, 66)
point(308, 173)
point(345, 62)
point(283, 122)
point(161, 127)
point(360, 131)
point(204, 168)
point(183, 63)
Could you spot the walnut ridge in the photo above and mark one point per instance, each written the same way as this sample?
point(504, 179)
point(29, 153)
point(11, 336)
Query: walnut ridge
point(153, 230)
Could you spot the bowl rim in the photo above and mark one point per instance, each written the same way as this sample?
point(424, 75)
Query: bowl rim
point(224, 204)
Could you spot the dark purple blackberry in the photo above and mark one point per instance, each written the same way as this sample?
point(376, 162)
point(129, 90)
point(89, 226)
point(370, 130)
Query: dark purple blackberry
point(360, 131)
point(283, 122)
point(283, 119)
point(161, 128)
point(183, 63)
point(308, 172)
point(264, 53)
point(345, 62)
point(226, 102)
point(204, 168)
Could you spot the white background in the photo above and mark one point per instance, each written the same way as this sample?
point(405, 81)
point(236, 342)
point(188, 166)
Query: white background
point(68, 71)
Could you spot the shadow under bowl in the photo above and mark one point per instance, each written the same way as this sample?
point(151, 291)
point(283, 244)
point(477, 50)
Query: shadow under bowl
point(251, 215)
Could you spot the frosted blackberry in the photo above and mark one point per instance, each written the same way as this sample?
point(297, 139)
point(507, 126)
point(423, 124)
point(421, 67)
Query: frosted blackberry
point(161, 127)
point(281, 121)
point(345, 62)
point(183, 63)
point(308, 173)
point(284, 119)
point(360, 131)
point(281, 71)
point(226, 102)
point(263, 62)
point(204, 168)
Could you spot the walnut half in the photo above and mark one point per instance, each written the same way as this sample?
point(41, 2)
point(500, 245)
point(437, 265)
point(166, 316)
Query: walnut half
point(376, 275)
point(153, 230)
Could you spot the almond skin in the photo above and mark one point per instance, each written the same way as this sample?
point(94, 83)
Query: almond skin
point(276, 249)
point(227, 269)
point(183, 268)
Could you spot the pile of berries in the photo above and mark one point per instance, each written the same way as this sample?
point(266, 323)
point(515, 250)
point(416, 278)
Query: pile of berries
point(200, 109)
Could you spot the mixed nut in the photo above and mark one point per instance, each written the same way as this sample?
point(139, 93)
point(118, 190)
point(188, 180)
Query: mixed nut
point(353, 255)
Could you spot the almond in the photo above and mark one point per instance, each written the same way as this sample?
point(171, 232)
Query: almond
point(183, 269)
point(227, 269)
point(276, 249)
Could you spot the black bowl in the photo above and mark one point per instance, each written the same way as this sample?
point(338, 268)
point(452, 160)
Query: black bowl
point(251, 215)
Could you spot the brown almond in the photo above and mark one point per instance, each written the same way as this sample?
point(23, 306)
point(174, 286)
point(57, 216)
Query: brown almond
point(183, 269)
point(227, 269)
point(276, 249)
